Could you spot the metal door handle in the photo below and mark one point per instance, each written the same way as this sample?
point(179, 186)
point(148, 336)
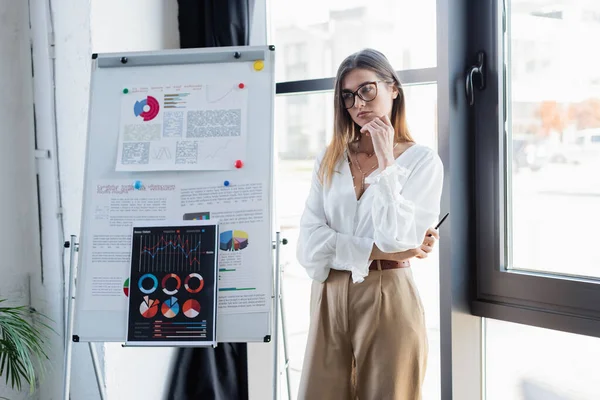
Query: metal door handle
point(475, 78)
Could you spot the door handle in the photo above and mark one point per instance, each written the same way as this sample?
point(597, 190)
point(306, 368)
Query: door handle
point(475, 78)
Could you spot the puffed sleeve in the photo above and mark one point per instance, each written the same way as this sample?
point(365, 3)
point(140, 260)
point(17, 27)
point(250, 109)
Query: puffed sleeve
point(402, 213)
point(319, 246)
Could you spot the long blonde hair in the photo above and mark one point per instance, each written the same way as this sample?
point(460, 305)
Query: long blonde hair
point(345, 130)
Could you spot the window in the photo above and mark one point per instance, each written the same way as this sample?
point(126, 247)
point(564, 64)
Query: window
point(320, 34)
point(536, 170)
point(551, 364)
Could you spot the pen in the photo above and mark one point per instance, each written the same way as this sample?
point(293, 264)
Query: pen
point(440, 223)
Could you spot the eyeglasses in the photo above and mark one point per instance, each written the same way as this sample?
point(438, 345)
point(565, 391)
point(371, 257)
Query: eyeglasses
point(367, 92)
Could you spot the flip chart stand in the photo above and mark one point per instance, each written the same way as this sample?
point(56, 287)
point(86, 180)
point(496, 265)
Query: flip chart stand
point(73, 245)
point(280, 313)
point(279, 307)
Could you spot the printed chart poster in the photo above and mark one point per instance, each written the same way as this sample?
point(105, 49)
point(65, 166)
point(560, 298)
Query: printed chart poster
point(182, 127)
point(245, 245)
point(173, 287)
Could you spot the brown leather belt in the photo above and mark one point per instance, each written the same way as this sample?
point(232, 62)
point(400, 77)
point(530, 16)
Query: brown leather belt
point(386, 264)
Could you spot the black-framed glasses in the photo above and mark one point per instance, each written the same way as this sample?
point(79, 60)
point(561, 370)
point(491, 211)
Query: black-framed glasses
point(367, 92)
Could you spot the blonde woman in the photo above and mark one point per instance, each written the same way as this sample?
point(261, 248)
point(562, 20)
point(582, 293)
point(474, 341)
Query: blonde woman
point(374, 196)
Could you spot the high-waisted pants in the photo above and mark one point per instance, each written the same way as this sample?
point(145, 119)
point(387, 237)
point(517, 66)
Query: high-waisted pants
point(367, 340)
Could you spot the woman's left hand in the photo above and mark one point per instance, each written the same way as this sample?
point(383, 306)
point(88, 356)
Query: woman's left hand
point(431, 237)
point(382, 134)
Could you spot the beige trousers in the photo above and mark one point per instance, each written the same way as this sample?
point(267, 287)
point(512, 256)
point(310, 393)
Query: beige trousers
point(366, 341)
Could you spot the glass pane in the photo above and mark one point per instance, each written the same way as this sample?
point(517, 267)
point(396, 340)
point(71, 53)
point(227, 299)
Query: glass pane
point(299, 141)
point(554, 136)
point(312, 37)
point(528, 363)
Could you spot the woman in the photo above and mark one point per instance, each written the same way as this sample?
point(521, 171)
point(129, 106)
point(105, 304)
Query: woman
point(374, 194)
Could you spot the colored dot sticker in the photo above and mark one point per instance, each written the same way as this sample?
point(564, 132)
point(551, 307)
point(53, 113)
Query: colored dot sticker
point(239, 164)
point(137, 184)
point(259, 65)
point(226, 183)
point(125, 90)
point(241, 85)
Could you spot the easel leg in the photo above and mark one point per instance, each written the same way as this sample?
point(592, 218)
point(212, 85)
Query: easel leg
point(279, 307)
point(276, 323)
point(74, 247)
point(97, 370)
point(286, 365)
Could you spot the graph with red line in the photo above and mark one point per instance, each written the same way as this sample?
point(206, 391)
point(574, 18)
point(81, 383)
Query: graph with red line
point(172, 251)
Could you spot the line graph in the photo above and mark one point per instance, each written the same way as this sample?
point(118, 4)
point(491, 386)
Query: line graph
point(216, 93)
point(169, 251)
point(216, 151)
point(162, 153)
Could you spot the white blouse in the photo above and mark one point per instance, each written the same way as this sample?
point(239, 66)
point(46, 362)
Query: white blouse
point(402, 202)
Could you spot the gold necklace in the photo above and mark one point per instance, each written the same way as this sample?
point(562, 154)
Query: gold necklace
point(362, 181)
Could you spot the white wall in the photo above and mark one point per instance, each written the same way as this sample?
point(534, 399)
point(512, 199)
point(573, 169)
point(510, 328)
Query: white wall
point(19, 237)
point(133, 25)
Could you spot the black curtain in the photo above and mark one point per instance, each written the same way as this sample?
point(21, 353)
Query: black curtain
point(219, 373)
point(205, 373)
point(214, 23)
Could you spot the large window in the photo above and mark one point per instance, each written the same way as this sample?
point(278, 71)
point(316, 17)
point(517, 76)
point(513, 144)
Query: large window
point(553, 118)
point(530, 363)
point(314, 36)
point(537, 127)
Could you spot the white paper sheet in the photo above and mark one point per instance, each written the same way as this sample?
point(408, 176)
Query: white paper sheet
point(182, 127)
point(245, 255)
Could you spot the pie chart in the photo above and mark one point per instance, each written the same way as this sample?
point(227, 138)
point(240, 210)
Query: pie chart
point(233, 240)
point(194, 289)
point(191, 308)
point(170, 308)
point(126, 287)
point(174, 288)
point(149, 307)
point(146, 108)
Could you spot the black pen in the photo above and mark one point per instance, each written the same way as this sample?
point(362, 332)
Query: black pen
point(440, 223)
